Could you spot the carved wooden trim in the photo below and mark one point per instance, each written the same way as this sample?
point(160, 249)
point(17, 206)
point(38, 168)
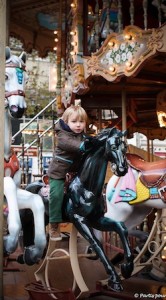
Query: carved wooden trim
point(125, 53)
point(122, 54)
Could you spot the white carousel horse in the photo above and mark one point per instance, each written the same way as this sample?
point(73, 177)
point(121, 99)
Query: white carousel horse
point(17, 198)
point(131, 198)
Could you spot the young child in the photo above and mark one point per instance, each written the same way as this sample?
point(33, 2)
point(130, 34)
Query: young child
point(70, 135)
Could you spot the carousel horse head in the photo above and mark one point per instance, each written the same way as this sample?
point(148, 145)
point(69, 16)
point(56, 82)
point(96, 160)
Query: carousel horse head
point(15, 80)
point(115, 151)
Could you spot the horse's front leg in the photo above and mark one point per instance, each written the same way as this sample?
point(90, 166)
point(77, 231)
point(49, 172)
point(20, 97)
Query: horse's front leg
point(108, 224)
point(114, 281)
point(34, 202)
point(14, 222)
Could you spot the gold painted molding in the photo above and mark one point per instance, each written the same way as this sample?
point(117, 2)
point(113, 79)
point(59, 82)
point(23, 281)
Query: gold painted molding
point(124, 54)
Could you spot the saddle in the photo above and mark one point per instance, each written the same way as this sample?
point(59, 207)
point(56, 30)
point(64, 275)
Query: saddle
point(69, 177)
point(152, 174)
point(11, 166)
point(45, 179)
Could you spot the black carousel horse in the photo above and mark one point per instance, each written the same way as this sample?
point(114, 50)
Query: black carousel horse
point(83, 204)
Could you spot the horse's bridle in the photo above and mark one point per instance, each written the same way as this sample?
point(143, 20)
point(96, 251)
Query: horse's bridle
point(16, 92)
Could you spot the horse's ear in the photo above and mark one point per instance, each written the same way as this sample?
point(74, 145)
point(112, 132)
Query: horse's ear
point(23, 57)
point(7, 53)
point(124, 132)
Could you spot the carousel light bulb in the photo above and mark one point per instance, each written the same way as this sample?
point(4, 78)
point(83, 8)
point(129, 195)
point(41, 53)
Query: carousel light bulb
point(55, 32)
point(112, 69)
point(55, 48)
point(128, 63)
point(111, 44)
point(56, 39)
point(72, 32)
point(73, 5)
point(72, 52)
point(128, 37)
point(73, 43)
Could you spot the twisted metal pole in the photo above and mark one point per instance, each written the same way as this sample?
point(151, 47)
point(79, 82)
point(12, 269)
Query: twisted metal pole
point(2, 97)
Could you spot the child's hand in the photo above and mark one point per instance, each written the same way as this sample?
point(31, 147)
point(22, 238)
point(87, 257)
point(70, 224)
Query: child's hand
point(89, 143)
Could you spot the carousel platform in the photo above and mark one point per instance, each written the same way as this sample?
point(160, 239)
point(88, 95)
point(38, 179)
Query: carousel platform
point(134, 288)
point(17, 277)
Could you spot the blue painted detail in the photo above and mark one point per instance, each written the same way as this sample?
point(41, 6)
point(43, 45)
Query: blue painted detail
point(19, 73)
point(127, 195)
point(153, 191)
point(111, 193)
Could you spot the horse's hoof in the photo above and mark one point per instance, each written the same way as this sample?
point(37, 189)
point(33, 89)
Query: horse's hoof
point(30, 256)
point(20, 259)
point(114, 286)
point(9, 244)
point(127, 269)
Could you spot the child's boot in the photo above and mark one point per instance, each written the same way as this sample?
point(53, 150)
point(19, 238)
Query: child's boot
point(54, 232)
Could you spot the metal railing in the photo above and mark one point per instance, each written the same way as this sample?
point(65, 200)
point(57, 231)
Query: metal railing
point(36, 140)
point(35, 117)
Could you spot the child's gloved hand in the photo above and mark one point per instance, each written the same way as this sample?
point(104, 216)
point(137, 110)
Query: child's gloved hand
point(86, 145)
point(89, 143)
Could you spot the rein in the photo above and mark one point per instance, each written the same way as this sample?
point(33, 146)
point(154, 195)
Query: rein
point(17, 92)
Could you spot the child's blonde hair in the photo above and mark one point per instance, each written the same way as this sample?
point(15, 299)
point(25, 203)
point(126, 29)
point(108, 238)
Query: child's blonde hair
point(82, 115)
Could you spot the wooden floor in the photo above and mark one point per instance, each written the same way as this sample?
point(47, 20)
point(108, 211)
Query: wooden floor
point(134, 288)
point(16, 276)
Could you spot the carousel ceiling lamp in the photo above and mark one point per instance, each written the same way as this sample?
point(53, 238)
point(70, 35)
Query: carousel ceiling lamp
point(73, 43)
point(73, 5)
point(72, 32)
point(56, 39)
point(72, 53)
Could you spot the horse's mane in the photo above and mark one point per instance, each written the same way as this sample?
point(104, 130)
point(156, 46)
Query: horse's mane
point(105, 133)
point(89, 165)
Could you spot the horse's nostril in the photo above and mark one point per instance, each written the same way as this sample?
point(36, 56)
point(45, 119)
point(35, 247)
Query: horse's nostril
point(14, 108)
point(16, 112)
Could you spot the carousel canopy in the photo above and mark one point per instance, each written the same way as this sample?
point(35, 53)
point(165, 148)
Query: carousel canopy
point(99, 24)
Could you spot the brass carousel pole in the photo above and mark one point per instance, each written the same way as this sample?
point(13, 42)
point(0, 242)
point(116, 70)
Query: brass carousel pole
point(59, 56)
point(2, 97)
point(124, 116)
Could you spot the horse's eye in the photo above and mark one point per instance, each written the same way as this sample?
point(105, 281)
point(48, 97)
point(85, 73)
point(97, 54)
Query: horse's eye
point(113, 147)
point(6, 77)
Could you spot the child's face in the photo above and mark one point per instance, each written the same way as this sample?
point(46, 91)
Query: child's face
point(75, 123)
